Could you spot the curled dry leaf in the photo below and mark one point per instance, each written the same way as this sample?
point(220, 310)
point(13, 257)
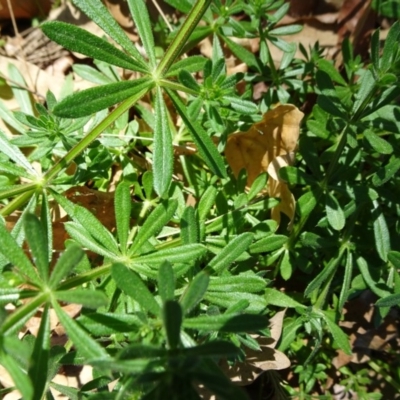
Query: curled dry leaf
point(259, 361)
point(267, 146)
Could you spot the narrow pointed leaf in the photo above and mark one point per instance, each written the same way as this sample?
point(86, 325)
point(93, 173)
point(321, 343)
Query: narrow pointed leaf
point(22, 96)
point(348, 272)
point(269, 243)
point(77, 232)
point(123, 205)
point(81, 41)
point(194, 292)
point(381, 232)
point(39, 359)
point(206, 147)
point(189, 226)
point(227, 323)
point(15, 255)
point(19, 377)
point(88, 298)
point(339, 336)
point(231, 252)
point(154, 223)
point(142, 22)
point(131, 284)
point(97, 12)
point(88, 347)
point(334, 213)
point(280, 299)
point(206, 202)
point(163, 151)
point(38, 244)
point(389, 301)
point(166, 282)
point(172, 319)
point(65, 264)
point(91, 100)
point(15, 154)
point(182, 254)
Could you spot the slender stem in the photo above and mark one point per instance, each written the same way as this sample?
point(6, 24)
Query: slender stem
point(93, 135)
point(16, 190)
point(85, 277)
point(182, 36)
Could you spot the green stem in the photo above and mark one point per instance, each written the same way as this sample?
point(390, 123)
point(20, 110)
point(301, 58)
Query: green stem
point(182, 36)
point(387, 377)
point(16, 190)
point(93, 135)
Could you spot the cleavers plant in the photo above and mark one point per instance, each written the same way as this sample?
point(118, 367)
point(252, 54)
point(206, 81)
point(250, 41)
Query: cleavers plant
point(164, 299)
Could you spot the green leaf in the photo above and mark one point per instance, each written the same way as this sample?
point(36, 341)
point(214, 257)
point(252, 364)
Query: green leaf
point(367, 85)
point(91, 100)
point(39, 360)
point(94, 228)
point(106, 324)
point(194, 293)
point(257, 303)
point(81, 41)
point(307, 202)
point(213, 349)
point(172, 320)
point(386, 172)
point(242, 106)
point(329, 68)
point(189, 64)
point(100, 15)
point(237, 283)
point(91, 74)
point(187, 80)
point(280, 299)
point(69, 259)
point(269, 243)
point(189, 226)
point(122, 205)
point(15, 154)
point(364, 269)
point(379, 144)
point(394, 258)
point(227, 323)
point(88, 298)
point(323, 275)
point(182, 254)
point(243, 54)
point(390, 47)
point(205, 145)
point(38, 245)
point(132, 285)
point(339, 336)
point(389, 301)
point(348, 272)
point(286, 30)
point(231, 252)
point(77, 232)
point(163, 151)
point(207, 201)
point(19, 377)
point(257, 185)
point(334, 212)
point(15, 254)
point(88, 347)
point(22, 96)
point(153, 224)
point(286, 265)
point(381, 232)
point(166, 281)
point(141, 18)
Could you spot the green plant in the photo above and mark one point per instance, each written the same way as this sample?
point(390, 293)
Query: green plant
point(172, 290)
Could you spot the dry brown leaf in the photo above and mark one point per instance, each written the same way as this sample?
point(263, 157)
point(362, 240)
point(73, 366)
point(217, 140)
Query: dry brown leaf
point(267, 146)
point(259, 361)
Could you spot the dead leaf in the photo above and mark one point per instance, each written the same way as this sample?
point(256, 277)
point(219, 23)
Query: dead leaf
point(267, 146)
